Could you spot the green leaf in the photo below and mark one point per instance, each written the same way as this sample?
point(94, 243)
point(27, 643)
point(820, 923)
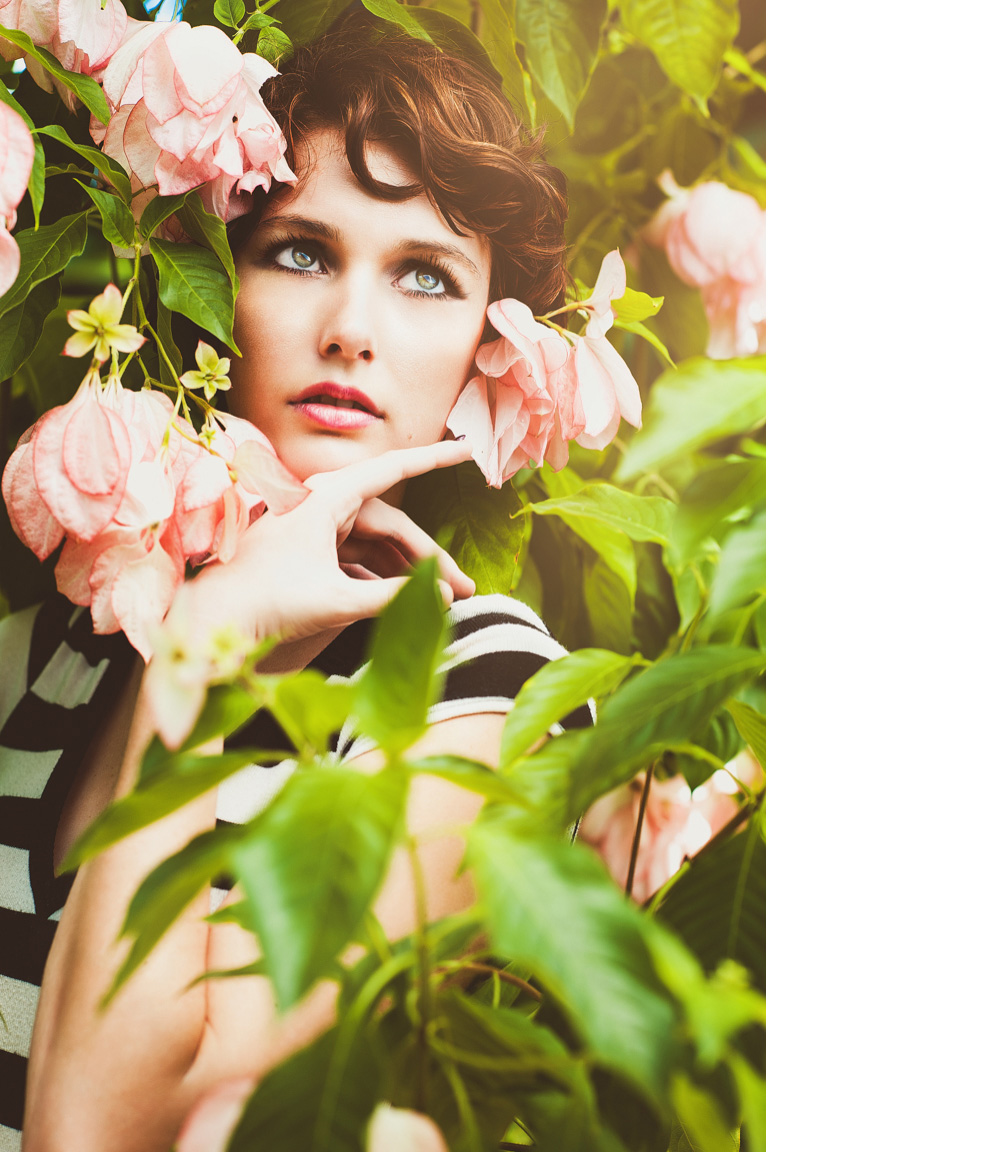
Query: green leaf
point(227, 708)
point(305, 19)
point(552, 907)
point(274, 45)
point(36, 182)
point(718, 906)
point(169, 889)
point(699, 1114)
point(752, 1091)
point(634, 306)
point(472, 775)
point(88, 90)
point(44, 253)
point(7, 98)
point(230, 12)
point(110, 169)
point(711, 497)
point(22, 325)
point(176, 783)
point(560, 41)
point(742, 567)
point(638, 517)
point(701, 402)
point(403, 678)
point(558, 689)
point(610, 604)
point(735, 59)
point(689, 38)
point(259, 20)
point(310, 708)
point(118, 225)
point(164, 329)
point(194, 282)
point(158, 209)
point(752, 728)
point(500, 41)
point(664, 705)
point(471, 521)
point(209, 231)
point(639, 329)
point(396, 13)
point(311, 865)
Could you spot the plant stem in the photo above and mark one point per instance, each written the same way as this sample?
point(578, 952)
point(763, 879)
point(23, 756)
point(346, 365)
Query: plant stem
point(638, 830)
point(423, 973)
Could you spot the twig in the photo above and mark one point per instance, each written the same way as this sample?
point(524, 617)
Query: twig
point(638, 830)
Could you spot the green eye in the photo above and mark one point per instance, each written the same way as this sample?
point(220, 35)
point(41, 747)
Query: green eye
point(428, 281)
point(302, 258)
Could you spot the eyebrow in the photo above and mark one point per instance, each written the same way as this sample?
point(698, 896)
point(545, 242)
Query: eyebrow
point(332, 235)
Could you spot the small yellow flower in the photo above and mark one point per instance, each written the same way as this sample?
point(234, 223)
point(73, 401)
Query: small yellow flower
point(99, 328)
point(211, 374)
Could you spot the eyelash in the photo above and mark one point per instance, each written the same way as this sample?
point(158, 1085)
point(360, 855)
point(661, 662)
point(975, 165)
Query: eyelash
point(441, 270)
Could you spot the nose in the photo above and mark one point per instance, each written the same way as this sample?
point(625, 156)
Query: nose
point(348, 321)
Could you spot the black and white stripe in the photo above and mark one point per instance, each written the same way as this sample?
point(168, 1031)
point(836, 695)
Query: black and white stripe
point(57, 685)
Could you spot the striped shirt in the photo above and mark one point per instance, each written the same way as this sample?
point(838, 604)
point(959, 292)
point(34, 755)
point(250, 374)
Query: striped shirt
point(58, 683)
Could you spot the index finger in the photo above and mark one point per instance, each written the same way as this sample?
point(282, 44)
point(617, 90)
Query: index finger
point(370, 478)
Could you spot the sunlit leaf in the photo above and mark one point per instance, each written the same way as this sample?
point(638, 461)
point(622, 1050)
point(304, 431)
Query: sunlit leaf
point(742, 566)
point(194, 283)
point(274, 45)
point(752, 728)
point(635, 305)
point(230, 12)
point(701, 1119)
point(471, 774)
point(88, 90)
point(116, 218)
point(638, 517)
point(210, 231)
point(703, 401)
point(310, 709)
point(713, 495)
point(396, 13)
point(560, 41)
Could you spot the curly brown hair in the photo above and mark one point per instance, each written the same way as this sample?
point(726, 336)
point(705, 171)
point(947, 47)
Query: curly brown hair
point(450, 123)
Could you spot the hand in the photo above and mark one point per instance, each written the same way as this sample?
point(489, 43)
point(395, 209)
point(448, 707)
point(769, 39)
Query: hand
point(334, 559)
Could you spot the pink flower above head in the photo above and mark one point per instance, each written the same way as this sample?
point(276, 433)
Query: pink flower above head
point(187, 113)
point(715, 240)
point(17, 154)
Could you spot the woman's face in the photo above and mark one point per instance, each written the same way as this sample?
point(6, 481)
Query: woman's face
point(358, 318)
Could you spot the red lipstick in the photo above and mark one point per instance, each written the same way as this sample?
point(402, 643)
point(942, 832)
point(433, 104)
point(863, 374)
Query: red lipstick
point(336, 407)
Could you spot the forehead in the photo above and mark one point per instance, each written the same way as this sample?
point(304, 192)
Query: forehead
point(330, 193)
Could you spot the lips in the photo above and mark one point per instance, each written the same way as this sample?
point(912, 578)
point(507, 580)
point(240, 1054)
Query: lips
point(336, 407)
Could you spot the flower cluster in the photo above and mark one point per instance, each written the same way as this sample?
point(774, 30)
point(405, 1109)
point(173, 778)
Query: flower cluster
point(131, 491)
point(17, 152)
point(678, 823)
point(715, 239)
point(540, 386)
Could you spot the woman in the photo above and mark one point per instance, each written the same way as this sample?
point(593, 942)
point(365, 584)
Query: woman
point(363, 299)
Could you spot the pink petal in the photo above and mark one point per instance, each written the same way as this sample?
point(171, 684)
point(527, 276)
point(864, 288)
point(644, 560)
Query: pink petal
point(141, 151)
point(17, 154)
point(31, 520)
point(10, 259)
point(90, 453)
point(77, 559)
point(235, 521)
point(142, 594)
point(260, 471)
point(104, 570)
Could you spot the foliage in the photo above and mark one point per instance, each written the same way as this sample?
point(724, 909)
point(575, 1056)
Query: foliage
point(555, 1012)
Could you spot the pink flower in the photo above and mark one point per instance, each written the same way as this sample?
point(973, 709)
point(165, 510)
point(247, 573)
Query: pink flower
point(187, 112)
point(17, 154)
point(715, 240)
point(678, 823)
point(397, 1129)
point(81, 34)
point(513, 412)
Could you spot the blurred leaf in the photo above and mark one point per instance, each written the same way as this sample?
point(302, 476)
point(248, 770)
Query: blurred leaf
point(560, 41)
point(227, 708)
point(169, 889)
point(118, 225)
point(702, 401)
point(274, 45)
point(718, 906)
point(230, 12)
point(689, 38)
point(470, 774)
point(176, 783)
point(310, 709)
point(500, 40)
point(665, 704)
point(752, 728)
point(88, 90)
point(194, 283)
point(634, 306)
point(609, 603)
point(455, 37)
point(403, 678)
point(700, 1118)
point(210, 231)
point(43, 254)
point(735, 59)
point(110, 169)
point(712, 496)
point(395, 13)
point(472, 522)
point(639, 329)
point(552, 907)
point(305, 19)
point(312, 863)
point(752, 1091)
point(300, 1106)
point(556, 690)
point(22, 326)
point(742, 567)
